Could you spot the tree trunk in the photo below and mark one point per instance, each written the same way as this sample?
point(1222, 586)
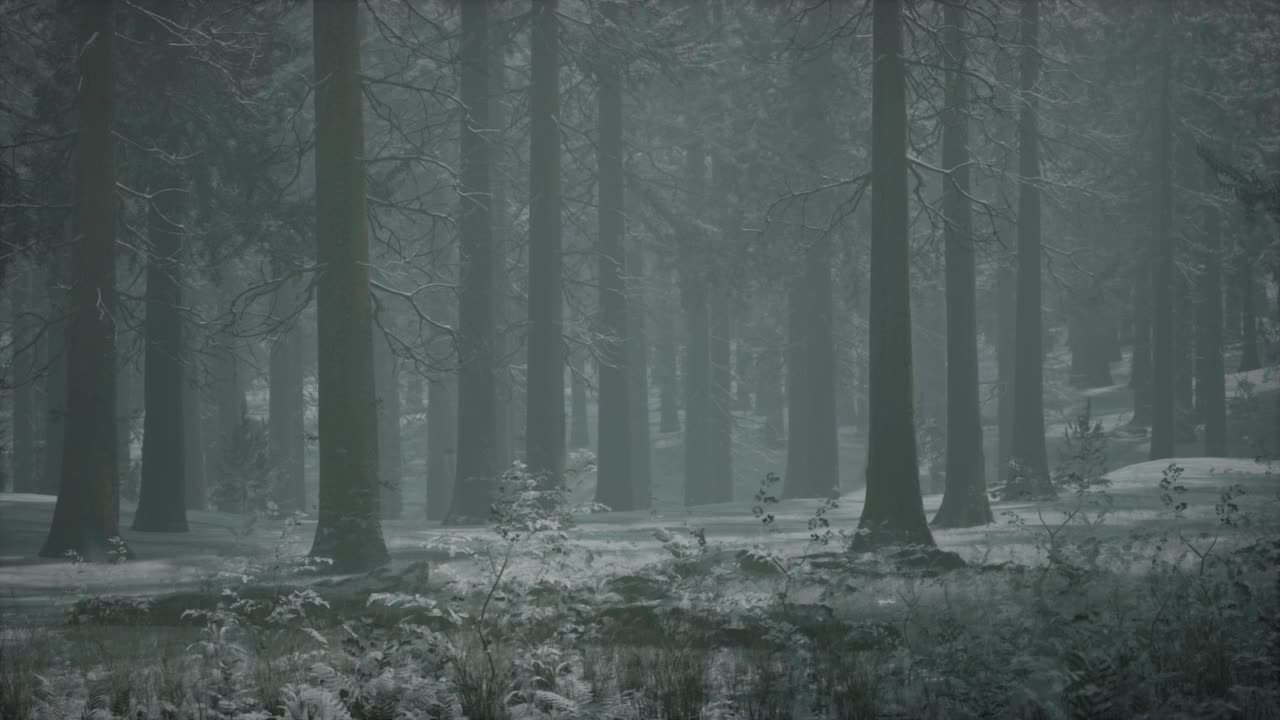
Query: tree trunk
point(55, 381)
point(638, 384)
point(798, 476)
point(348, 530)
point(390, 459)
point(720, 425)
point(87, 515)
point(579, 427)
point(1028, 449)
point(894, 511)
point(964, 502)
point(286, 431)
point(768, 367)
point(500, 219)
point(197, 493)
point(544, 426)
point(441, 453)
point(477, 458)
point(1250, 358)
point(162, 504)
point(666, 371)
point(613, 434)
point(25, 329)
point(1163, 406)
point(1211, 395)
point(743, 369)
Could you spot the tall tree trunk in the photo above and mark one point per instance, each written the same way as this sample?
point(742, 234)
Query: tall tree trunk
point(743, 367)
point(500, 219)
point(441, 425)
point(285, 431)
point(894, 511)
point(964, 502)
point(544, 426)
point(1211, 395)
point(162, 504)
point(25, 328)
point(638, 382)
point(579, 427)
point(55, 381)
point(1250, 358)
point(613, 434)
point(124, 418)
point(798, 476)
point(695, 299)
point(197, 493)
point(720, 425)
point(87, 514)
point(390, 460)
point(348, 530)
point(666, 371)
point(478, 465)
point(769, 374)
point(1028, 450)
point(1163, 406)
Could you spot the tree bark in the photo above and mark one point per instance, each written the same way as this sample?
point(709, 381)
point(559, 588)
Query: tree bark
point(798, 476)
point(348, 530)
point(1211, 395)
point(500, 218)
point(638, 383)
point(55, 380)
point(286, 432)
point(1163, 406)
point(1028, 447)
point(197, 493)
point(894, 511)
point(1250, 358)
point(720, 425)
point(614, 436)
point(667, 373)
point(477, 458)
point(769, 374)
point(390, 459)
point(25, 329)
point(87, 515)
point(162, 504)
point(964, 502)
point(544, 426)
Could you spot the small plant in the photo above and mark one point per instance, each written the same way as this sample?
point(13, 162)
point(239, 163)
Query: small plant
point(1084, 460)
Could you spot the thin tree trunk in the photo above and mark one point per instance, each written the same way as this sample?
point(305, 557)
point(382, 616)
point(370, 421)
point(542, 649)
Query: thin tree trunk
point(441, 424)
point(579, 427)
point(743, 368)
point(613, 434)
point(500, 218)
point(894, 511)
point(798, 475)
point(1211, 395)
point(55, 381)
point(1250, 358)
point(1028, 449)
point(638, 383)
point(964, 502)
point(1163, 406)
point(769, 380)
point(695, 298)
point(348, 530)
point(87, 514)
point(544, 426)
point(197, 493)
point(478, 465)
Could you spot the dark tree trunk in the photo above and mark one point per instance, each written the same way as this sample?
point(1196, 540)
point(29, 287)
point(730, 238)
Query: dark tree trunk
point(348, 529)
point(819, 372)
point(478, 465)
point(55, 380)
point(614, 484)
point(964, 502)
point(285, 431)
point(1163, 405)
point(87, 514)
point(197, 494)
point(390, 460)
point(894, 511)
point(25, 329)
point(720, 462)
point(667, 376)
point(798, 476)
point(162, 504)
point(638, 382)
point(1250, 358)
point(769, 379)
point(696, 301)
point(1028, 448)
point(230, 410)
point(743, 368)
point(500, 219)
point(1006, 304)
point(544, 425)
point(441, 424)
point(1211, 395)
point(124, 417)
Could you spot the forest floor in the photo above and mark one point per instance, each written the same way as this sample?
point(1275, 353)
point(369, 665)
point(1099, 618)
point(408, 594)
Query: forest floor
point(1152, 593)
